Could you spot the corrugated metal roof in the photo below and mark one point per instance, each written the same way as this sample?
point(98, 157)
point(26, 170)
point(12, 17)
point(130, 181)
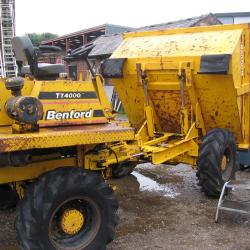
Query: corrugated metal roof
point(115, 29)
point(108, 29)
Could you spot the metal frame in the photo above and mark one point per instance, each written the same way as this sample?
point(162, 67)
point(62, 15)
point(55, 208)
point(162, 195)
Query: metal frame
point(7, 32)
point(220, 201)
point(230, 205)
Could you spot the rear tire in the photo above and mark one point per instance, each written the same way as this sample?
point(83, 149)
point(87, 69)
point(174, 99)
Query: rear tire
point(67, 208)
point(216, 161)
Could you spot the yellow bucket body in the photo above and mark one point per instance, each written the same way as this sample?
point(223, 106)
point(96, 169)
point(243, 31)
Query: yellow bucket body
point(218, 59)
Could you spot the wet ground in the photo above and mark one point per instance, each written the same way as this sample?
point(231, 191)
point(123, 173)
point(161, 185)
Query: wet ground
point(162, 208)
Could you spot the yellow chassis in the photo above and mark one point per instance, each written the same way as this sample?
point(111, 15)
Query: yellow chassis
point(119, 142)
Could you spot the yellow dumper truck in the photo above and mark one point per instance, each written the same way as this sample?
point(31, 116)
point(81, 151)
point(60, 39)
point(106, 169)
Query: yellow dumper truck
point(186, 95)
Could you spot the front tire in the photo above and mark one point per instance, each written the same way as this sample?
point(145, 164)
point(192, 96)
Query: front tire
point(67, 208)
point(216, 161)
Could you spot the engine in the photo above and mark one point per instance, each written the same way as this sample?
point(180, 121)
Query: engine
point(26, 111)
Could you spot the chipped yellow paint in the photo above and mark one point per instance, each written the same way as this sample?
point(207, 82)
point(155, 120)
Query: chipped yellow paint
point(63, 137)
point(180, 45)
point(34, 88)
point(211, 100)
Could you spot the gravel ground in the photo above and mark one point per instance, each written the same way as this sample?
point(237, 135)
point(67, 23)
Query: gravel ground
point(162, 208)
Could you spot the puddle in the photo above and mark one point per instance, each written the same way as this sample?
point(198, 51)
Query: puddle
point(147, 184)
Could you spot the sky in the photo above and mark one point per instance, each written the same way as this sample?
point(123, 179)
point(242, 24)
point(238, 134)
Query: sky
point(66, 16)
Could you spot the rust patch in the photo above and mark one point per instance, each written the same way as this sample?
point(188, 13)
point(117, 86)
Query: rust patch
point(64, 136)
point(73, 124)
point(212, 117)
point(168, 105)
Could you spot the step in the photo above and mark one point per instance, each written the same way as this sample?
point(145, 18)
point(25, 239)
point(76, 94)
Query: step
point(235, 206)
point(239, 184)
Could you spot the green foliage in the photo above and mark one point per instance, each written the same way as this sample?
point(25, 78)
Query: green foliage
point(38, 38)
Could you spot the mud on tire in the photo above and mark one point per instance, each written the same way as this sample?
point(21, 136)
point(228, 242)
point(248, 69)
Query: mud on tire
point(61, 191)
point(216, 161)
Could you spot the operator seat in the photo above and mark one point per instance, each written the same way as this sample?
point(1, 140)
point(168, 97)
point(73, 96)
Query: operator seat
point(27, 59)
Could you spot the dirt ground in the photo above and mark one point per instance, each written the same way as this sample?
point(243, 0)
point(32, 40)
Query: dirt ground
point(162, 208)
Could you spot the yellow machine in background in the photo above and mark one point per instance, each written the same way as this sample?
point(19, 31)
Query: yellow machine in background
point(186, 94)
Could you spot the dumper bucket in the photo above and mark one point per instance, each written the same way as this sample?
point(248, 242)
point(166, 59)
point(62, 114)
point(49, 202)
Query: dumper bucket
point(213, 60)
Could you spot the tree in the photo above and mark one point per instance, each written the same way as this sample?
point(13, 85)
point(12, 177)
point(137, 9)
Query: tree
point(37, 38)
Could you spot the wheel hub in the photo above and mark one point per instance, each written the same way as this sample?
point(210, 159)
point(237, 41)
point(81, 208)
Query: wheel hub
point(72, 221)
point(223, 163)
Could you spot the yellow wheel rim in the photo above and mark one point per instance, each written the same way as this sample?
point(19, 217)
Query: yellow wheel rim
point(223, 163)
point(72, 221)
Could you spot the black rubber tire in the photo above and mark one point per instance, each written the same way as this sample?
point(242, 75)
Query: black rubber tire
point(8, 197)
point(216, 144)
point(123, 169)
point(44, 196)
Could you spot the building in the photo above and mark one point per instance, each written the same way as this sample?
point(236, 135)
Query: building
point(107, 38)
point(203, 20)
point(75, 40)
point(7, 32)
point(234, 17)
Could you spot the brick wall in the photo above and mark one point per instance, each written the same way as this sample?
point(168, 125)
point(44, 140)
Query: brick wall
point(81, 67)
